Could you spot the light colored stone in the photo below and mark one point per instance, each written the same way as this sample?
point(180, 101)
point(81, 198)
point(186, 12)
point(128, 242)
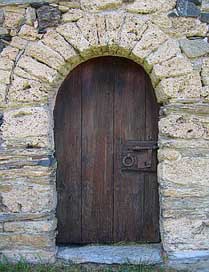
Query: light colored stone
point(18, 42)
point(205, 6)
point(132, 31)
point(194, 48)
point(168, 154)
point(3, 30)
point(166, 51)
point(63, 9)
point(10, 52)
point(174, 67)
point(189, 27)
point(26, 91)
point(114, 23)
point(26, 122)
point(13, 19)
point(94, 5)
point(87, 26)
point(101, 29)
point(9, 241)
point(162, 20)
point(150, 6)
point(30, 226)
point(37, 69)
point(152, 38)
point(29, 33)
point(205, 71)
point(149, 254)
point(70, 3)
point(182, 87)
point(205, 93)
point(184, 126)
point(1, 228)
point(5, 77)
point(23, 74)
point(55, 41)
point(3, 91)
point(6, 64)
point(73, 35)
point(72, 15)
point(45, 54)
point(28, 197)
point(191, 235)
point(33, 256)
point(30, 16)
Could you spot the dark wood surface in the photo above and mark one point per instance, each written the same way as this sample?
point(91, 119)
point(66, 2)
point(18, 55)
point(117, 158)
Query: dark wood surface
point(101, 105)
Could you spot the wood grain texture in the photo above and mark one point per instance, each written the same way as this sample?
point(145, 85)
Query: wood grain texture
point(101, 105)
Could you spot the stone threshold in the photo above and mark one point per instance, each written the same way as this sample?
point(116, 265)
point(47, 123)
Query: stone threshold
point(149, 254)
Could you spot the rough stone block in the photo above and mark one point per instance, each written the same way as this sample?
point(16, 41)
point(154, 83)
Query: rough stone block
point(37, 69)
point(72, 15)
point(194, 48)
point(184, 126)
point(132, 30)
point(114, 23)
point(30, 16)
point(73, 35)
point(185, 233)
point(55, 41)
point(30, 255)
point(204, 17)
point(18, 42)
point(29, 33)
point(95, 5)
point(205, 71)
point(31, 226)
point(168, 154)
point(205, 5)
point(166, 51)
point(19, 197)
point(10, 53)
point(3, 91)
point(23, 90)
point(150, 41)
point(9, 241)
point(189, 27)
point(187, 8)
point(88, 27)
point(171, 68)
point(48, 16)
point(5, 77)
point(26, 122)
point(13, 19)
point(183, 87)
point(150, 6)
point(3, 31)
point(1, 17)
point(6, 64)
point(46, 55)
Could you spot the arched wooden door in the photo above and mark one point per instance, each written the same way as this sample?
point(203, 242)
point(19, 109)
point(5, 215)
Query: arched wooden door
point(106, 130)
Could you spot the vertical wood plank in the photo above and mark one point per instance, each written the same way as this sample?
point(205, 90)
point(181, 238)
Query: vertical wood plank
point(97, 151)
point(67, 115)
point(151, 231)
point(129, 124)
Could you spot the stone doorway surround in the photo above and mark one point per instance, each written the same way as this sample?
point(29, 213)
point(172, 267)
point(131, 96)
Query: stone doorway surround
point(37, 56)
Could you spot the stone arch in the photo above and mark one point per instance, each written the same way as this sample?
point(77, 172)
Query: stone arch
point(33, 81)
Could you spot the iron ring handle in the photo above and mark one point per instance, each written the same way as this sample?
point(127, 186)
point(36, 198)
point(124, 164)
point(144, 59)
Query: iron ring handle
point(128, 160)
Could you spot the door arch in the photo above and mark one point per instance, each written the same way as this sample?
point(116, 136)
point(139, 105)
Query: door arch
point(106, 130)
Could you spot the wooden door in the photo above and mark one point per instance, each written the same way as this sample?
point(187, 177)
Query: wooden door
point(106, 129)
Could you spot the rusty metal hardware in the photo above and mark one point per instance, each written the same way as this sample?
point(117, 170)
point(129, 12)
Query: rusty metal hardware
point(138, 156)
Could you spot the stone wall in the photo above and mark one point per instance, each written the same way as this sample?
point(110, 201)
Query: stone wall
point(40, 44)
